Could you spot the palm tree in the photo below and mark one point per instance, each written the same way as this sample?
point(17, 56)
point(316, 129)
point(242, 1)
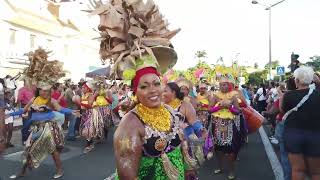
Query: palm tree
point(201, 54)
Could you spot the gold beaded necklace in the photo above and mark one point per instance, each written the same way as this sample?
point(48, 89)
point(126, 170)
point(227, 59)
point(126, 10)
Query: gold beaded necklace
point(157, 118)
point(175, 103)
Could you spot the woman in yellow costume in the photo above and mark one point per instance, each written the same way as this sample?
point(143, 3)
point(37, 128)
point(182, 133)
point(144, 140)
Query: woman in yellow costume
point(193, 129)
point(103, 103)
point(227, 129)
point(186, 88)
point(91, 123)
point(203, 104)
point(46, 135)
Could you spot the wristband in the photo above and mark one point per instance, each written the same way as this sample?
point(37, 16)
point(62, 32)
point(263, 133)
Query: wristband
point(215, 109)
point(234, 110)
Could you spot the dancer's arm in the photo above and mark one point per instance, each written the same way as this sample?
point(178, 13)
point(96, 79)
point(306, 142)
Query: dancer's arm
point(128, 142)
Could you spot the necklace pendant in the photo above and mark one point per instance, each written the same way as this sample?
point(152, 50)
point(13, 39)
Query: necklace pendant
point(161, 144)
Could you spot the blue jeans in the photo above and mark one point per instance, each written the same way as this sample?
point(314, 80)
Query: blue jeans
point(72, 122)
point(25, 129)
point(285, 163)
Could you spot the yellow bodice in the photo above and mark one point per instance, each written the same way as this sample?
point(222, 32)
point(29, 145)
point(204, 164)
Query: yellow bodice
point(224, 113)
point(100, 101)
point(203, 99)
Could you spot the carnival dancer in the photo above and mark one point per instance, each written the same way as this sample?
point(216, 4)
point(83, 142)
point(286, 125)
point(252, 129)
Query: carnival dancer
point(186, 87)
point(103, 103)
point(203, 104)
point(46, 135)
point(147, 141)
point(226, 123)
point(193, 129)
point(91, 123)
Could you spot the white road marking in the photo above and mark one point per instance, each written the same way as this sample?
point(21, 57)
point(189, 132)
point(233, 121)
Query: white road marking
point(73, 152)
point(274, 161)
point(111, 177)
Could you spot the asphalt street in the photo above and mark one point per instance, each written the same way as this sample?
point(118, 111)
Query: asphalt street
point(253, 163)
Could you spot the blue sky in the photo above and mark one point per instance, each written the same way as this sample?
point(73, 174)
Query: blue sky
point(230, 27)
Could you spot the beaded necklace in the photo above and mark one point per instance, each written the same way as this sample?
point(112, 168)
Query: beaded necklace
point(157, 118)
point(175, 103)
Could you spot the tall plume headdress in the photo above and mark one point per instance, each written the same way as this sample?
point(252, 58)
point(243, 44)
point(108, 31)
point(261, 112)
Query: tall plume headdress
point(41, 72)
point(134, 36)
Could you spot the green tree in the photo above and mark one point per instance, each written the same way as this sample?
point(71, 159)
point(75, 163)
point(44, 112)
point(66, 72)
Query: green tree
point(200, 55)
point(274, 65)
point(315, 62)
point(244, 73)
point(257, 77)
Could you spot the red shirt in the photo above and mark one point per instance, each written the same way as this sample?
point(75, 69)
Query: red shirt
point(277, 105)
point(55, 95)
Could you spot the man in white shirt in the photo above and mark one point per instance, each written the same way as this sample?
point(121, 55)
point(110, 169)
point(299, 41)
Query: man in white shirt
point(260, 98)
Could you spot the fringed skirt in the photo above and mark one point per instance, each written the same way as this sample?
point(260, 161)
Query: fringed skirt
point(229, 135)
point(204, 117)
point(106, 114)
point(155, 168)
point(44, 139)
point(92, 125)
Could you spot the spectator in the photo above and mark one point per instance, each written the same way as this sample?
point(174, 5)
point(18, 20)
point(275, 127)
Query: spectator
point(273, 94)
point(58, 94)
point(9, 121)
point(245, 93)
point(10, 82)
point(302, 127)
point(2, 116)
point(261, 98)
point(70, 93)
point(25, 94)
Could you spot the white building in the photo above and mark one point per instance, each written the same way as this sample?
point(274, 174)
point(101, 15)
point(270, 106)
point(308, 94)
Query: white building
point(61, 28)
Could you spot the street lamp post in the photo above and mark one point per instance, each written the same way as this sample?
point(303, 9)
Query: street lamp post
point(268, 8)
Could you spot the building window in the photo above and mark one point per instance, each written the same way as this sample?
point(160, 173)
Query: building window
point(12, 37)
point(32, 41)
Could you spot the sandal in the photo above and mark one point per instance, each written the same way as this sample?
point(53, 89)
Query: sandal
point(58, 175)
point(16, 176)
point(88, 149)
point(231, 177)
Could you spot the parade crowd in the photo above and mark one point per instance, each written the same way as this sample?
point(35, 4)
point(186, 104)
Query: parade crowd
point(202, 109)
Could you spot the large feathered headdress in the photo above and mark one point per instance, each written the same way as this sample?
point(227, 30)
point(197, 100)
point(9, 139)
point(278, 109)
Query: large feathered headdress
point(134, 36)
point(41, 72)
point(227, 74)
